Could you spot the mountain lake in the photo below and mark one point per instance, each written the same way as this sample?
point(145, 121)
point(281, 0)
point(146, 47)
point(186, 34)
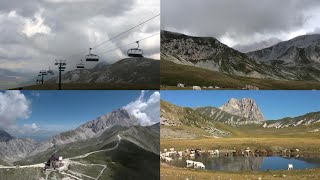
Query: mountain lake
point(251, 163)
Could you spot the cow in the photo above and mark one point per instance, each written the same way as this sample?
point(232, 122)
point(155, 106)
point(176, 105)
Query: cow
point(168, 159)
point(198, 165)
point(189, 163)
point(290, 166)
point(198, 88)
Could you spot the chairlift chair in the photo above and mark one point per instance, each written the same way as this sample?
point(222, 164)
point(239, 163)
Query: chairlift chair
point(135, 52)
point(50, 72)
point(92, 57)
point(81, 65)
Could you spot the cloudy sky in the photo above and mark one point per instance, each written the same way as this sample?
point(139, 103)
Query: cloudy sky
point(242, 22)
point(41, 114)
point(35, 32)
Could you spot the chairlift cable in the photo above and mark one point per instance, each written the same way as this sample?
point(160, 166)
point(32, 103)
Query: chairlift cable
point(130, 43)
point(117, 35)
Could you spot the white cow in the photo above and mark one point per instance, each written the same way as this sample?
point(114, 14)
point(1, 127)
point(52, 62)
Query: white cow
point(290, 166)
point(199, 165)
point(189, 163)
point(168, 159)
point(198, 88)
point(180, 85)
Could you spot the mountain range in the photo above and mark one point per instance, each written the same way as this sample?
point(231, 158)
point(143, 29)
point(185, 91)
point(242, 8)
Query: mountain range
point(296, 59)
point(233, 118)
point(135, 142)
point(128, 71)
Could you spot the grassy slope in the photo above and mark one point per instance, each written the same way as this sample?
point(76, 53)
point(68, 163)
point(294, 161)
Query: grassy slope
point(91, 86)
point(191, 119)
point(306, 145)
point(128, 160)
point(106, 140)
point(22, 174)
point(172, 74)
point(174, 173)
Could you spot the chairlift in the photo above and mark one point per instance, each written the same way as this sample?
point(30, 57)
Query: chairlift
point(135, 52)
point(50, 72)
point(81, 65)
point(92, 57)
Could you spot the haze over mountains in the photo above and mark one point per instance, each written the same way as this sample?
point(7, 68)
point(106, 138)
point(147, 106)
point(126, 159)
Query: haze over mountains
point(296, 59)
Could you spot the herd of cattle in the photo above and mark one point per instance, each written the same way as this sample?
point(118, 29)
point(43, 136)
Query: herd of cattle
point(168, 155)
point(247, 87)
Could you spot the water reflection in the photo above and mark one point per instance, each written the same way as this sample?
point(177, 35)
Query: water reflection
point(251, 163)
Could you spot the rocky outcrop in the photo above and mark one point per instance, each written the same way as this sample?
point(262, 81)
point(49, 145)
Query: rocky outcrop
point(90, 129)
point(16, 149)
point(305, 120)
point(245, 107)
point(211, 54)
point(300, 55)
point(4, 136)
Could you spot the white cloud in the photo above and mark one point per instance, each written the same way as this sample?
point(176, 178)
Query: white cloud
point(35, 93)
point(13, 106)
point(29, 128)
point(34, 33)
point(146, 111)
point(35, 26)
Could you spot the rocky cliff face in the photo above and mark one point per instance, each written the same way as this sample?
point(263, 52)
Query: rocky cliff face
point(300, 50)
point(209, 53)
point(16, 149)
point(245, 107)
point(90, 129)
point(300, 55)
point(304, 120)
point(4, 136)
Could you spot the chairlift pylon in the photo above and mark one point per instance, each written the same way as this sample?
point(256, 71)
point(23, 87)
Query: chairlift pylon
point(135, 52)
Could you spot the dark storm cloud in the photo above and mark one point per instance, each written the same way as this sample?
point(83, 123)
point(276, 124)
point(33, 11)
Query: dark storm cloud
point(237, 19)
point(35, 32)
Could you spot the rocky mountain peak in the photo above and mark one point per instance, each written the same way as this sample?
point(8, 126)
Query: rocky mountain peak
point(118, 117)
point(245, 107)
point(4, 136)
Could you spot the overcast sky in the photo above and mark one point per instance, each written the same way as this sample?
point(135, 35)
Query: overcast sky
point(35, 32)
point(242, 21)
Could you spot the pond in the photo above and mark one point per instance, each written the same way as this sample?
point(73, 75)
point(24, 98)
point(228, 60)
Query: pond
point(252, 163)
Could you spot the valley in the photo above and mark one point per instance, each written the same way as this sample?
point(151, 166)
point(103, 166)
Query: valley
point(112, 146)
point(221, 136)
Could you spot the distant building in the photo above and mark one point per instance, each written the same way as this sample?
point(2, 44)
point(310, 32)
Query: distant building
point(54, 162)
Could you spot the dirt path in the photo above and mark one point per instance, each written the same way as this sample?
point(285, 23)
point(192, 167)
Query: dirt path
point(69, 161)
point(88, 154)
